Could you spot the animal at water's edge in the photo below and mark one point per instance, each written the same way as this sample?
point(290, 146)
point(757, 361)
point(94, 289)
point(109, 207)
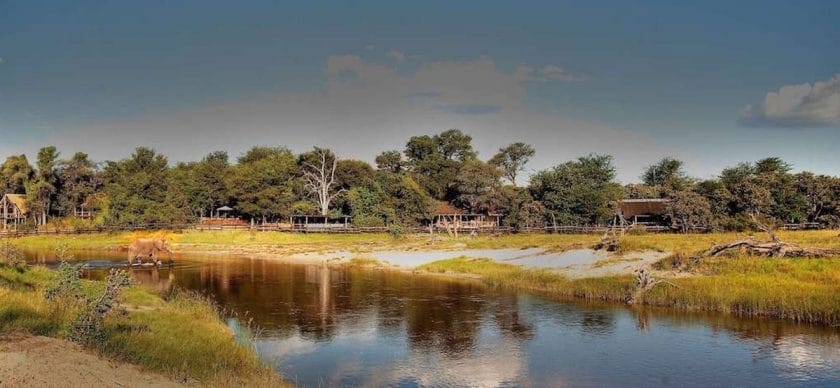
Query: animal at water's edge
point(143, 248)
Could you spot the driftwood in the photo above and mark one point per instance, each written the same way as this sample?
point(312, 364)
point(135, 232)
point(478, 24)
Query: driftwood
point(644, 282)
point(610, 241)
point(775, 248)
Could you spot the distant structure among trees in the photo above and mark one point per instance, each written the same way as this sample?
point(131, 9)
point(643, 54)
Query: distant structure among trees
point(272, 186)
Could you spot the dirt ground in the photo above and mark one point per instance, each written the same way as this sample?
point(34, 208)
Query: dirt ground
point(27, 361)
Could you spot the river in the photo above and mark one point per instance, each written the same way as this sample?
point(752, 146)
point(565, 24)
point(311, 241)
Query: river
point(350, 326)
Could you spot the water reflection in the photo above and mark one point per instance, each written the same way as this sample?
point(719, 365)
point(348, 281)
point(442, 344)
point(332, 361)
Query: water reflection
point(332, 326)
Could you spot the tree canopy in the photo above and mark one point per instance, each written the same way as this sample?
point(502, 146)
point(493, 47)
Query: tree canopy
point(270, 183)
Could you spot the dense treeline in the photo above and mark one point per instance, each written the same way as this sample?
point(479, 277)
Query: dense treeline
point(267, 184)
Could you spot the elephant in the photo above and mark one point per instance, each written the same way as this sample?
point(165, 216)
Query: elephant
point(148, 248)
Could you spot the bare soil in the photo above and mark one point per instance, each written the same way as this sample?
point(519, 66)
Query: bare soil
point(27, 361)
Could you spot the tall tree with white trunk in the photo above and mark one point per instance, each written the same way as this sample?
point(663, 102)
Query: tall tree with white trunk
point(319, 177)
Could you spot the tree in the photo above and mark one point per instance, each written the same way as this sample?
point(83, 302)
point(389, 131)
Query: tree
point(391, 161)
point(409, 202)
point(16, 172)
point(140, 190)
point(210, 176)
point(689, 211)
point(818, 192)
point(518, 209)
point(319, 168)
point(435, 160)
point(583, 191)
point(79, 181)
point(41, 191)
point(512, 160)
point(263, 183)
point(642, 191)
point(668, 172)
point(455, 145)
point(475, 183)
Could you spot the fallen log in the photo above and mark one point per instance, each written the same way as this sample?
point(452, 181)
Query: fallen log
point(775, 248)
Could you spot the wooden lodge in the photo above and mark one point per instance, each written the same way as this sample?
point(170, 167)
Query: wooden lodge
point(307, 221)
point(14, 210)
point(448, 217)
point(644, 212)
point(223, 216)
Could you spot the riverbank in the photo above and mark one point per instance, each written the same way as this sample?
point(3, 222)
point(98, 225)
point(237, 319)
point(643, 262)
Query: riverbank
point(179, 339)
point(802, 290)
point(799, 289)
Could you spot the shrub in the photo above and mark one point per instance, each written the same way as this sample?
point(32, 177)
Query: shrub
point(87, 329)
point(396, 230)
point(12, 256)
point(67, 285)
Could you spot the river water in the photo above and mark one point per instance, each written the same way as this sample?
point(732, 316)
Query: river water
point(329, 326)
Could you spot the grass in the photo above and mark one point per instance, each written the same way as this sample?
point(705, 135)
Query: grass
point(613, 288)
point(182, 337)
point(804, 290)
point(192, 239)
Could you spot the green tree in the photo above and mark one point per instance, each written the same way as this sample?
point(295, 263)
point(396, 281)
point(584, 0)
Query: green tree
point(512, 160)
point(667, 173)
point(263, 183)
point(583, 191)
point(140, 190)
point(391, 161)
point(42, 190)
point(689, 211)
point(15, 173)
point(79, 182)
point(408, 202)
point(435, 160)
point(210, 177)
point(476, 183)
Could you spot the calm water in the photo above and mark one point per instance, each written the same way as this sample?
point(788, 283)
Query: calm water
point(332, 327)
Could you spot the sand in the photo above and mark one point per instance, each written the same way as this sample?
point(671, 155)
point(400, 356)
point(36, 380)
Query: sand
point(27, 361)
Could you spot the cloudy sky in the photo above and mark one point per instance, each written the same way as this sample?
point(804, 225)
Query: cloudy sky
point(712, 83)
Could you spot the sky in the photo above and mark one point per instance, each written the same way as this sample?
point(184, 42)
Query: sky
point(712, 83)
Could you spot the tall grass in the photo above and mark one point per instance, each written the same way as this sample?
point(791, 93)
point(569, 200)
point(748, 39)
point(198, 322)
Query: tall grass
point(183, 337)
point(805, 290)
point(611, 288)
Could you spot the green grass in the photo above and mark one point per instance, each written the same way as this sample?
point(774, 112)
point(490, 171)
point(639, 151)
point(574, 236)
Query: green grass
point(611, 288)
point(805, 290)
point(183, 337)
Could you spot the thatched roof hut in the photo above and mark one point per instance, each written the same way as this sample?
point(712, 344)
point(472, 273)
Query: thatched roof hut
point(643, 210)
point(13, 209)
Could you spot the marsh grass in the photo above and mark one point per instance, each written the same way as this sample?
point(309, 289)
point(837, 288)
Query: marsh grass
point(804, 290)
point(541, 280)
point(183, 336)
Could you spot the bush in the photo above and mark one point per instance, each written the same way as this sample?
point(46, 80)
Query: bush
point(396, 230)
point(67, 285)
point(368, 221)
point(87, 329)
point(12, 256)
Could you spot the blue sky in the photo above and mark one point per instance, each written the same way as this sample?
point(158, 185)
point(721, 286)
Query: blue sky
point(638, 80)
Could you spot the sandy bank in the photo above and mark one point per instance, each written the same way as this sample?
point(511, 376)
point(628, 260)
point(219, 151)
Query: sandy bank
point(27, 361)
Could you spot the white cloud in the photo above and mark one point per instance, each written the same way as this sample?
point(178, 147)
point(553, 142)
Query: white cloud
point(794, 106)
point(2, 61)
point(397, 55)
point(370, 47)
point(368, 107)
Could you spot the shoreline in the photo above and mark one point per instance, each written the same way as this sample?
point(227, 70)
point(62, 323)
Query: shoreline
point(796, 289)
